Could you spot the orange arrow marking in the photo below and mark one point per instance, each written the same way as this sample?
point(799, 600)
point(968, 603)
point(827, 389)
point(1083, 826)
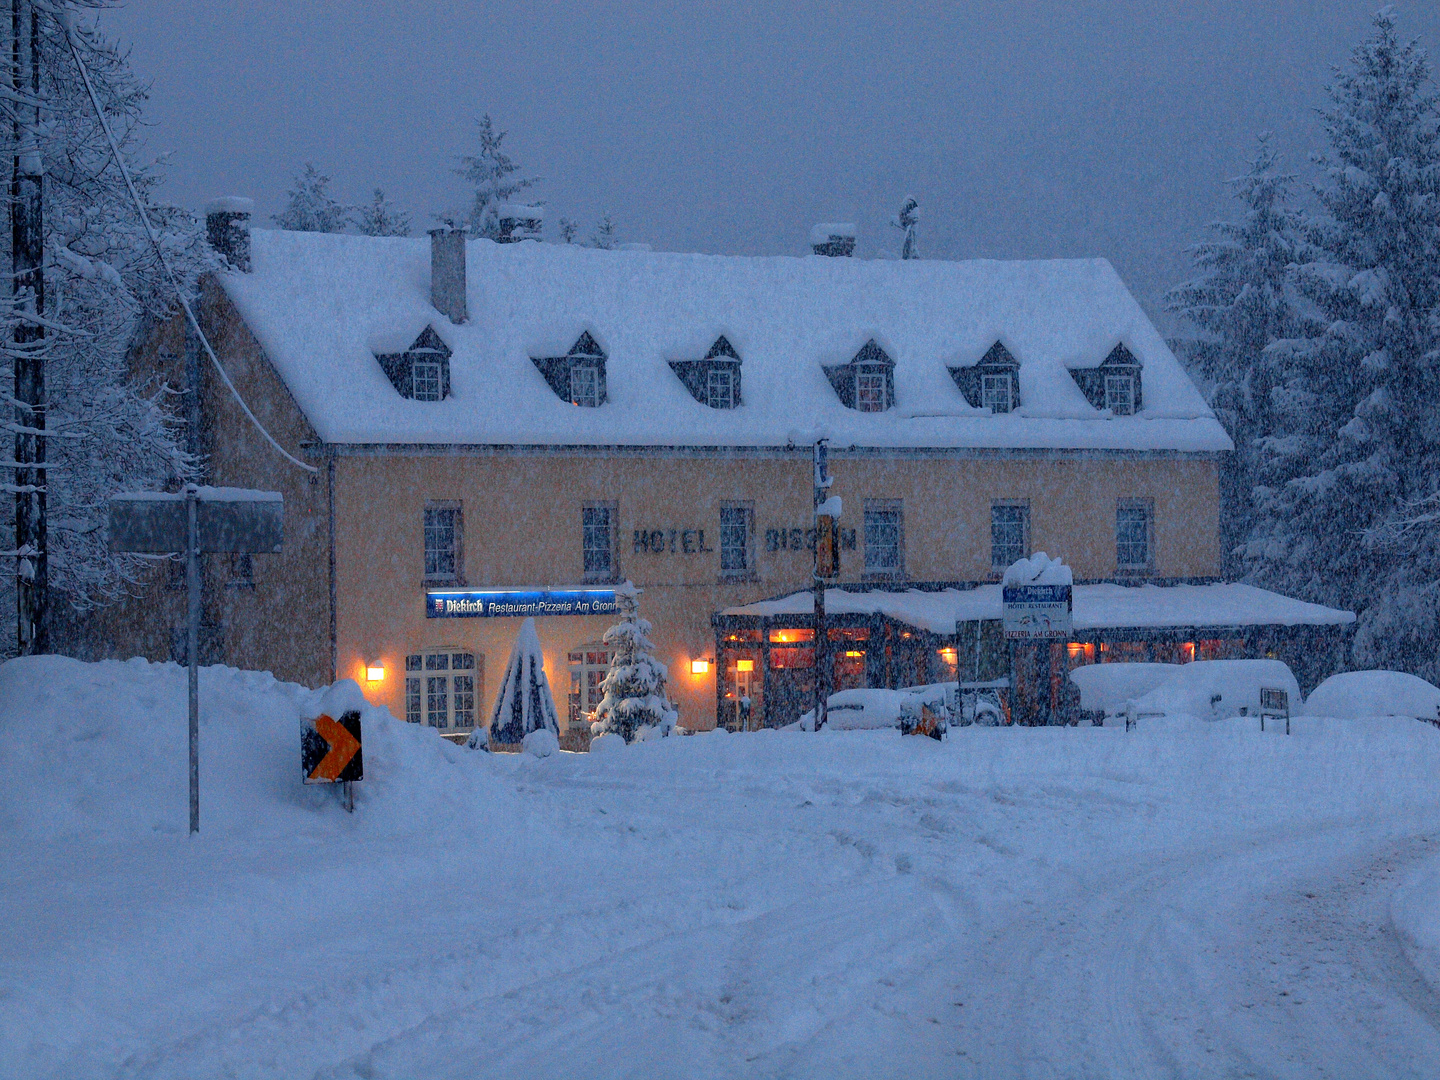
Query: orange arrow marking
point(343, 747)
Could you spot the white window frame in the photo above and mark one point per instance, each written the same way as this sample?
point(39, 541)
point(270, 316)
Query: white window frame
point(875, 548)
point(437, 550)
point(442, 687)
point(1120, 394)
point(585, 676)
point(720, 388)
point(1000, 556)
point(870, 388)
point(585, 385)
point(1127, 510)
point(997, 392)
point(745, 526)
point(426, 374)
point(590, 547)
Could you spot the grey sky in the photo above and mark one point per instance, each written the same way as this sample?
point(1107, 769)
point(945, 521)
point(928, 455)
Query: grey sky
point(1024, 129)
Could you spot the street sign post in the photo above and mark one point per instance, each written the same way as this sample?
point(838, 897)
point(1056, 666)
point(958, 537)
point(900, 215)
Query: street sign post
point(198, 519)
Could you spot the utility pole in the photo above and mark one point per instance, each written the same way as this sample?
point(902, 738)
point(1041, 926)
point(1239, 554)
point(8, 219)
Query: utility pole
point(822, 569)
point(27, 247)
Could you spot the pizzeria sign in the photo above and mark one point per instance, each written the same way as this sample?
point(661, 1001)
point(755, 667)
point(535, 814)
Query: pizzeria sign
point(517, 603)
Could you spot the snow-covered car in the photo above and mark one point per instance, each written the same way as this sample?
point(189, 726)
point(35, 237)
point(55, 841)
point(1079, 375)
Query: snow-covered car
point(1352, 695)
point(1207, 689)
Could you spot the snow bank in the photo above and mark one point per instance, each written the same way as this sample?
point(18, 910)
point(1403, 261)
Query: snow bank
point(1354, 694)
point(1215, 689)
point(1415, 911)
point(1106, 687)
point(103, 749)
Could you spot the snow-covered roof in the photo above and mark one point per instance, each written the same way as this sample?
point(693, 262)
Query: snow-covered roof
point(1096, 607)
point(322, 306)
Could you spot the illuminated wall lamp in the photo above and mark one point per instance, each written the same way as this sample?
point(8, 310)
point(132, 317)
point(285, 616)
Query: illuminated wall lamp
point(700, 667)
point(375, 671)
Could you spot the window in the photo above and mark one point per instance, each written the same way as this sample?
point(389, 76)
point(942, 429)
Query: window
point(585, 386)
point(720, 389)
point(870, 390)
point(1009, 534)
point(1134, 535)
point(441, 688)
point(884, 538)
point(995, 393)
point(442, 541)
point(589, 664)
point(242, 570)
point(736, 530)
point(597, 521)
point(427, 380)
point(1120, 394)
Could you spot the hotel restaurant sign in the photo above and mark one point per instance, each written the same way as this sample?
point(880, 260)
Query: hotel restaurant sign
point(517, 603)
point(1037, 612)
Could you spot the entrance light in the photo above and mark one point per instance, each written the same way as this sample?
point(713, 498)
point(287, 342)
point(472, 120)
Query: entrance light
point(375, 671)
point(744, 665)
point(700, 667)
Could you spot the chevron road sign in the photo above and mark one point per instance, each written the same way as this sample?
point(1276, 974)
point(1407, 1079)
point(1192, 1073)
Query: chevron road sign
point(330, 749)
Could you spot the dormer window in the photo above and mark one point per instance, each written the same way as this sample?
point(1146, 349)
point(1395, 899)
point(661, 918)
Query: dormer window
point(1120, 394)
point(578, 377)
point(992, 382)
point(1115, 384)
point(421, 372)
point(867, 382)
point(714, 379)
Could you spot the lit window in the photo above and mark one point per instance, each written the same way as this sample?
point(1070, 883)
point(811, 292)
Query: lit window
point(589, 664)
point(720, 389)
point(870, 390)
point(1133, 528)
point(585, 385)
point(426, 376)
point(598, 543)
point(444, 696)
point(442, 541)
point(735, 532)
point(884, 542)
point(995, 393)
point(1120, 394)
point(1009, 534)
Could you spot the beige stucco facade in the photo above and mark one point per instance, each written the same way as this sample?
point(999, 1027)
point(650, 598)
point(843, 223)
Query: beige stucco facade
point(348, 591)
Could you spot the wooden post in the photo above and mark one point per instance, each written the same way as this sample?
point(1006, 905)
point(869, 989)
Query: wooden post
point(27, 283)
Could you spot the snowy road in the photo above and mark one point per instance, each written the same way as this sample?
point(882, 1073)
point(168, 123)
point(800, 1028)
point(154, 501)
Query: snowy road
point(1188, 901)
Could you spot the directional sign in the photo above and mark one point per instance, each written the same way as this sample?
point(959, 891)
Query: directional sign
point(330, 749)
point(1036, 612)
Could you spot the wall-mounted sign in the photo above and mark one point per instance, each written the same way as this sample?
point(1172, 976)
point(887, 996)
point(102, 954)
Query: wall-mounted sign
point(1036, 612)
point(803, 539)
point(512, 603)
point(670, 541)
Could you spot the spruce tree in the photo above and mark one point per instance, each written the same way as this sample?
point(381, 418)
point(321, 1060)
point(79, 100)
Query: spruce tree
point(604, 235)
point(1357, 437)
point(311, 207)
point(381, 217)
point(635, 702)
point(493, 174)
point(1242, 303)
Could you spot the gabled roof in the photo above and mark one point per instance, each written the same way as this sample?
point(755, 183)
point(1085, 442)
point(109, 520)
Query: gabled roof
point(322, 306)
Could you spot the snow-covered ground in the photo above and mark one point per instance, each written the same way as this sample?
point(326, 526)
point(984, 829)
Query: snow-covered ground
point(1188, 899)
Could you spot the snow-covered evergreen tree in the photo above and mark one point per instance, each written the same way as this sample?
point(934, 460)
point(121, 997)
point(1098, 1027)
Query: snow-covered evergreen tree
point(1242, 302)
point(494, 175)
point(524, 703)
point(907, 221)
point(104, 284)
point(635, 704)
point(568, 228)
point(381, 217)
point(604, 235)
point(311, 207)
point(1358, 435)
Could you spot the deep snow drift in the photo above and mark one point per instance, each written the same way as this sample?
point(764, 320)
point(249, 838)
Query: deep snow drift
point(1191, 898)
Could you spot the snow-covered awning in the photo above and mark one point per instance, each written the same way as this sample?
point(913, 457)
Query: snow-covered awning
point(1097, 607)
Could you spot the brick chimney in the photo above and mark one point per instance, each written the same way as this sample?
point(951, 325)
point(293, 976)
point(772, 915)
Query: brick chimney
point(833, 238)
point(227, 226)
point(447, 272)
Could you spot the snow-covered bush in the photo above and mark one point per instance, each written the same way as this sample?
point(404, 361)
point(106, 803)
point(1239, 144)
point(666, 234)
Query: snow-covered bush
point(525, 703)
point(635, 704)
point(541, 742)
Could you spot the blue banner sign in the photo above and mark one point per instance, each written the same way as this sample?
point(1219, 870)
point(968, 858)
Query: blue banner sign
point(517, 603)
point(1036, 612)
